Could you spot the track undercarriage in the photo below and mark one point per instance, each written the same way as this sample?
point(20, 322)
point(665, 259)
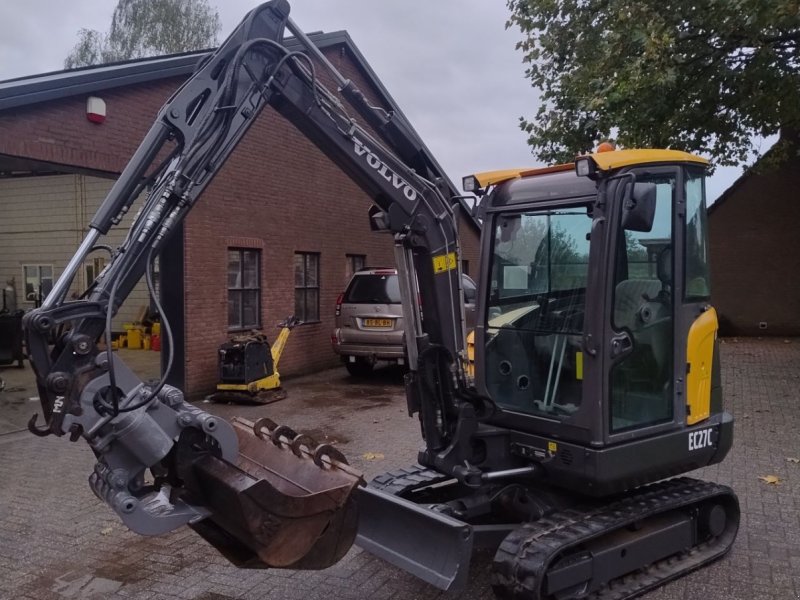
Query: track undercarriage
point(567, 547)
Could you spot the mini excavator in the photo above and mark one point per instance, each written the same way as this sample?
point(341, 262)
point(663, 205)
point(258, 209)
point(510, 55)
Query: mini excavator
point(596, 364)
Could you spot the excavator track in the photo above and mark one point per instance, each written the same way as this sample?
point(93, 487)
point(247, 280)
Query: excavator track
point(555, 557)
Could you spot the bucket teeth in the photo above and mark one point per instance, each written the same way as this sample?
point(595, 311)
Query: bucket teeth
point(264, 423)
point(302, 441)
point(282, 435)
point(329, 451)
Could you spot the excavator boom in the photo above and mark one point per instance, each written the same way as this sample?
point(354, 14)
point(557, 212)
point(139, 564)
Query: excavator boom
point(260, 492)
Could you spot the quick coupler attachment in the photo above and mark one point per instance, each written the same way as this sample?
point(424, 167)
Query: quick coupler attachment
point(288, 502)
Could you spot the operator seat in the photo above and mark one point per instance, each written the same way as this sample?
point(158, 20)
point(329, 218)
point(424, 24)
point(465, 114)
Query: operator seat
point(632, 298)
point(642, 307)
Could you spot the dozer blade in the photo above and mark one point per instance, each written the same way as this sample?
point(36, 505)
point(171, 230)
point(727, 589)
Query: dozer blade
point(288, 502)
point(432, 546)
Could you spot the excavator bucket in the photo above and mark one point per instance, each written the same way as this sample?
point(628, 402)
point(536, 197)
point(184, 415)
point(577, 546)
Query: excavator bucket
point(288, 502)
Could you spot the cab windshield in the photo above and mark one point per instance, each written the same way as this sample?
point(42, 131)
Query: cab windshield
point(535, 310)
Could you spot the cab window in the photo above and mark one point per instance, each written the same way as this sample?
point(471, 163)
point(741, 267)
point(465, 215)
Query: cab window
point(535, 311)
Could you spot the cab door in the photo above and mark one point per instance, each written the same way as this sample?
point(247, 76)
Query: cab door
point(641, 325)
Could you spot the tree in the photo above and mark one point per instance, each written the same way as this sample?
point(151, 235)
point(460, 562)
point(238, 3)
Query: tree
point(141, 28)
point(699, 76)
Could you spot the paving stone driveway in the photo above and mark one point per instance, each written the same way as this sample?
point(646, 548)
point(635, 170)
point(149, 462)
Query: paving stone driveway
point(58, 541)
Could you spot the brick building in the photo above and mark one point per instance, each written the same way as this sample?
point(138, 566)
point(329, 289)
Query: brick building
point(755, 255)
point(277, 207)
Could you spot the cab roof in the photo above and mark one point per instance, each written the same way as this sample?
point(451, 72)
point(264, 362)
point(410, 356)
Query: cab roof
point(605, 161)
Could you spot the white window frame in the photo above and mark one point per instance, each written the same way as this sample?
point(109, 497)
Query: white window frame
point(303, 291)
point(240, 289)
point(350, 267)
point(92, 268)
point(38, 268)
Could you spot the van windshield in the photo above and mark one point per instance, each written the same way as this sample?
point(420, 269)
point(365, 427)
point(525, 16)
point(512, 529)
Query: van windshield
point(373, 289)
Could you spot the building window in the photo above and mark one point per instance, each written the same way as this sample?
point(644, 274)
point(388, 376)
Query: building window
point(306, 286)
point(92, 269)
point(244, 288)
point(355, 262)
point(38, 282)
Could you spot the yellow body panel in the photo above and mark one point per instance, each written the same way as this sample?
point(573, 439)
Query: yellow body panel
point(700, 356)
point(445, 262)
point(277, 348)
point(488, 178)
point(617, 159)
point(270, 382)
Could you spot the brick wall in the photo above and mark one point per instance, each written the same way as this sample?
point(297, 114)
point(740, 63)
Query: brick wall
point(59, 132)
point(755, 254)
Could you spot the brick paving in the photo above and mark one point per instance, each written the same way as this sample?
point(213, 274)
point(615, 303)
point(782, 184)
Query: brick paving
point(57, 541)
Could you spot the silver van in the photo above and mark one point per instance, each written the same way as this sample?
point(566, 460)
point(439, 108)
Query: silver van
point(369, 319)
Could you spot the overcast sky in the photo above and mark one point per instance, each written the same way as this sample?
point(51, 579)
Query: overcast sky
point(450, 64)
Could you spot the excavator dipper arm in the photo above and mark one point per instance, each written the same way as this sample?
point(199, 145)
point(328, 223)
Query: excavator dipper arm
point(161, 462)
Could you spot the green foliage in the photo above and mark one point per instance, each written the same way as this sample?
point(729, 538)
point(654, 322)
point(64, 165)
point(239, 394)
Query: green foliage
point(141, 28)
point(698, 76)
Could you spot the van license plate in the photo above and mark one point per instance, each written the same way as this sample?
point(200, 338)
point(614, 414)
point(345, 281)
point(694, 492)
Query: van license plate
point(377, 322)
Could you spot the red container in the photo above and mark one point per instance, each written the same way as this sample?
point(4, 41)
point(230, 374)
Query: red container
point(155, 342)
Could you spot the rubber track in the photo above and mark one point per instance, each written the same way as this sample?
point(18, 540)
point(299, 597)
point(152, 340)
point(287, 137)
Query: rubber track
point(522, 560)
point(407, 479)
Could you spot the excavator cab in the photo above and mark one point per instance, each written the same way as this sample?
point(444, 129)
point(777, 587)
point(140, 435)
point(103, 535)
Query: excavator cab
point(594, 275)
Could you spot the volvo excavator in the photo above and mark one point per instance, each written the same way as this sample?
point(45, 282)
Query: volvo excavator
point(596, 364)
